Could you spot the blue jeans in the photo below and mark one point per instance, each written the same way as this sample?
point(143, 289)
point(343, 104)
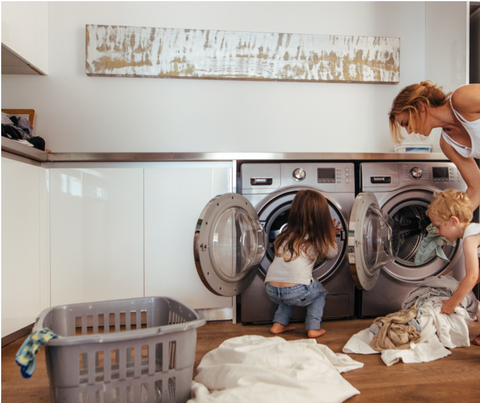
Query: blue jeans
point(312, 296)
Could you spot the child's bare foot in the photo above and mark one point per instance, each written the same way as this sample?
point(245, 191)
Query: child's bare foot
point(316, 333)
point(476, 341)
point(278, 328)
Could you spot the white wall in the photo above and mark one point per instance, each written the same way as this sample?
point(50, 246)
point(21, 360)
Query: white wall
point(446, 47)
point(101, 114)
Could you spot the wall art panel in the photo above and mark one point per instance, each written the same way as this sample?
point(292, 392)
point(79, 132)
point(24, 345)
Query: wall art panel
point(123, 51)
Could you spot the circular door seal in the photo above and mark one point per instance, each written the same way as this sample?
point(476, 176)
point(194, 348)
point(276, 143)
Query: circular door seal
point(229, 244)
point(398, 269)
point(273, 213)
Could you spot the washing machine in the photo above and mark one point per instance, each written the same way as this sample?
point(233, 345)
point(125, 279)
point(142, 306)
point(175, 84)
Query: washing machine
point(235, 235)
point(387, 225)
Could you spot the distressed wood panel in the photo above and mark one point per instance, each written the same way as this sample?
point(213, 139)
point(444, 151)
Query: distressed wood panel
point(194, 53)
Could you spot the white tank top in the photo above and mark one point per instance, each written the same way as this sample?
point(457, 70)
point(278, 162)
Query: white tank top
point(473, 130)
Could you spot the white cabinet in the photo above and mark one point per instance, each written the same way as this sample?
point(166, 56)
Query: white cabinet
point(175, 195)
point(22, 234)
point(25, 37)
point(76, 233)
point(96, 224)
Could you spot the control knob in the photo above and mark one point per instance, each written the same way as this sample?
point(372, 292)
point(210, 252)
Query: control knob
point(299, 174)
point(416, 173)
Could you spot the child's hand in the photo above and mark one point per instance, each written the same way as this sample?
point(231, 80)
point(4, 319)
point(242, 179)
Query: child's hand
point(447, 307)
point(337, 225)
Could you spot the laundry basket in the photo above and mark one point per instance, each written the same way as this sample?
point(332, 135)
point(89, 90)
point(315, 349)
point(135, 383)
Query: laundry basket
point(123, 351)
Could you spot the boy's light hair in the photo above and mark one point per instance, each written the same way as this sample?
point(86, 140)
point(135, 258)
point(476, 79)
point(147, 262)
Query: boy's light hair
point(451, 202)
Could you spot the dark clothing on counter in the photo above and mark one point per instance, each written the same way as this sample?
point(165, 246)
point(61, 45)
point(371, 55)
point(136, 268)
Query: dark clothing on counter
point(18, 128)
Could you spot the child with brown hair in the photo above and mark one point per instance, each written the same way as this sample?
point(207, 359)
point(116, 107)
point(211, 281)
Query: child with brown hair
point(308, 237)
point(451, 213)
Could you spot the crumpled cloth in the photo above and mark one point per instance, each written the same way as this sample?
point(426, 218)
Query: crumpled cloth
point(394, 331)
point(440, 332)
point(271, 369)
point(439, 286)
point(26, 355)
point(431, 245)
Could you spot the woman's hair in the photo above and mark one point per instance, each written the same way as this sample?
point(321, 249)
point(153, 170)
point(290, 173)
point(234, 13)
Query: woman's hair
point(309, 231)
point(408, 101)
point(451, 202)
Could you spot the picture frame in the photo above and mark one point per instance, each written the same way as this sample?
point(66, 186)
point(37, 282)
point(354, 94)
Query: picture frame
point(26, 113)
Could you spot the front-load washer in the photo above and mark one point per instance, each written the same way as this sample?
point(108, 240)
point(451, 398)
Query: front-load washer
point(235, 234)
point(387, 225)
point(271, 187)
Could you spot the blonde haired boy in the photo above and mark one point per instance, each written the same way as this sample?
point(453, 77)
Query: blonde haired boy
point(451, 213)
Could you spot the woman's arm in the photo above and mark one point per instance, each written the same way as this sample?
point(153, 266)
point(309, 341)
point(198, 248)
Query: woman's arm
point(466, 100)
point(468, 169)
point(470, 245)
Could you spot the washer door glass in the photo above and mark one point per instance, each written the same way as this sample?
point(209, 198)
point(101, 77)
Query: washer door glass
point(229, 244)
point(412, 222)
point(373, 240)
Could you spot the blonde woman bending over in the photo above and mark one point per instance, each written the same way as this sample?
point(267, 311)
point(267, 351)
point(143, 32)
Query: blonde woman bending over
point(419, 108)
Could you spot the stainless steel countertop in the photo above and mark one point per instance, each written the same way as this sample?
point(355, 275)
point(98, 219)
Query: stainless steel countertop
point(13, 147)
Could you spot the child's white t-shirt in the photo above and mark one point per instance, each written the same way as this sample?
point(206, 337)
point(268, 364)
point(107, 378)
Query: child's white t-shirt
point(298, 271)
point(472, 229)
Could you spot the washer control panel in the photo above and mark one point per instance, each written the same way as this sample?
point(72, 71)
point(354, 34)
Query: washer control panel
point(378, 176)
point(269, 177)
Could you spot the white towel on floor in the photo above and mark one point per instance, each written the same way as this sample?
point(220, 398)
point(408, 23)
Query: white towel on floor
point(438, 332)
point(271, 369)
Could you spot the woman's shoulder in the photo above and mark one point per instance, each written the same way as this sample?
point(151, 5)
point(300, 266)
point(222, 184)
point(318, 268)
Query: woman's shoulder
point(466, 100)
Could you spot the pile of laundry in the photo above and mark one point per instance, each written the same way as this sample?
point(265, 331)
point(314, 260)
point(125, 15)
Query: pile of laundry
point(271, 369)
point(419, 332)
point(19, 128)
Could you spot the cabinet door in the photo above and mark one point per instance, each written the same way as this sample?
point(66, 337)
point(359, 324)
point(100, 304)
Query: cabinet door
point(175, 195)
point(20, 244)
point(25, 33)
point(96, 234)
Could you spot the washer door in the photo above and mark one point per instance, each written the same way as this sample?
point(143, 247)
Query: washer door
point(229, 244)
point(373, 240)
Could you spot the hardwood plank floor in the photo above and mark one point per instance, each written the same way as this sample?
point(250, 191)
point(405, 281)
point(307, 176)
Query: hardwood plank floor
point(455, 378)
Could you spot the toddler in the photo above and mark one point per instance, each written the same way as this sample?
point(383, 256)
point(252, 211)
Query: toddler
point(308, 237)
point(451, 213)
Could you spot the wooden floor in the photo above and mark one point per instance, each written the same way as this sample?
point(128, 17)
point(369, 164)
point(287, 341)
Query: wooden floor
point(455, 378)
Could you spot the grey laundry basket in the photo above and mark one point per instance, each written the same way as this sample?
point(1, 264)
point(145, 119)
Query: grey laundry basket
point(127, 351)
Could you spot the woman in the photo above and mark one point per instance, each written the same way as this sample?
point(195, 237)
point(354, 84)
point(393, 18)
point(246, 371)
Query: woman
point(419, 108)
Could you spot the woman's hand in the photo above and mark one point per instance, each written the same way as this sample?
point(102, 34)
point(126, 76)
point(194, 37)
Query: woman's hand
point(337, 225)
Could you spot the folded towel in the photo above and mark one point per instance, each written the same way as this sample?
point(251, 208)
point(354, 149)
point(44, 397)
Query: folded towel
point(431, 245)
point(26, 354)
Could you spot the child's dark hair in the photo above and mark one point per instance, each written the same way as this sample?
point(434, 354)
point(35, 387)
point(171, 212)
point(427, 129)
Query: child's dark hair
point(309, 230)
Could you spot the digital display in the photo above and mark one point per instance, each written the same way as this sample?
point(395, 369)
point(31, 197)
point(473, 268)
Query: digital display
point(440, 172)
point(326, 175)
